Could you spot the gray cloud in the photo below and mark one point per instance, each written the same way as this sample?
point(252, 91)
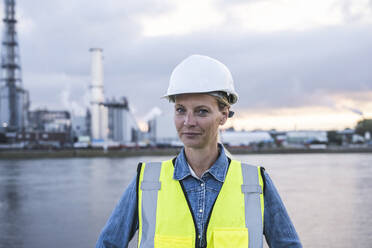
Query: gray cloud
point(281, 69)
point(346, 7)
point(278, 70)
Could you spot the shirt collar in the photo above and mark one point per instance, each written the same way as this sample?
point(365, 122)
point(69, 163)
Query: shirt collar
point(218, 169)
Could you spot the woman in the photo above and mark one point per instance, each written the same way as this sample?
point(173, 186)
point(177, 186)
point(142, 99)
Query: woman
point(201, 198)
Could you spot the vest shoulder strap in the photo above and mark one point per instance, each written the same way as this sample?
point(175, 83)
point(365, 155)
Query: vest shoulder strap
point(149, 185)
point(253, 200)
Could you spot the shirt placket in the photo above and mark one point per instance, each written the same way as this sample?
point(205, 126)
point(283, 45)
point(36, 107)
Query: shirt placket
point(201, 211)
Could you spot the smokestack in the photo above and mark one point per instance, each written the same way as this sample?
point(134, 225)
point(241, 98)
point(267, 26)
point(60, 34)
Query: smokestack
point(97, 75)
point(99, 123)
point(355, 111)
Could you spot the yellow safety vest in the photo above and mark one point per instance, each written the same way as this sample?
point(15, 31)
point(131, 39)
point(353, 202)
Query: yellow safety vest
point(166, 221)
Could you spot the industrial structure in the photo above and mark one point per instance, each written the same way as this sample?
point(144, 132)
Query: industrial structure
point(246, 138)
point(300, 138)
point(161, 130)
point(109, 120)
point(20, 127)
point(99, 115)
point(122, 127)
point(14, 100)
point(50, 121)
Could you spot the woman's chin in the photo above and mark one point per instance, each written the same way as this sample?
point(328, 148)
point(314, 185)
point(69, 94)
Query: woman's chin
point(192, 143)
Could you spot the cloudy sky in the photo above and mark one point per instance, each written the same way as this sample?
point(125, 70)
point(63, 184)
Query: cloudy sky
point(296, 63)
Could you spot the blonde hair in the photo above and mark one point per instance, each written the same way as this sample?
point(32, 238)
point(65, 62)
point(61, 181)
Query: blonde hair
point(221, 97)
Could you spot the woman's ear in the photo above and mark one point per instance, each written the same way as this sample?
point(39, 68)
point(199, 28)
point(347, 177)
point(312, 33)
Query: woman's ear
point(225, 114)
point(223, 121)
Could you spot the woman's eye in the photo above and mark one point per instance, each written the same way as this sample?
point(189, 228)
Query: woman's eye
point(180, 110)
point(202, 111)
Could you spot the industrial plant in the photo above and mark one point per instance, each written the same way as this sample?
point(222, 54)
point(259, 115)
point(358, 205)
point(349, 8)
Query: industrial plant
point(109, 123)
point(14, 99)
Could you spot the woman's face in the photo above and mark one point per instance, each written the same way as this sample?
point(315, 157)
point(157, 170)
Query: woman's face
point(197, 118)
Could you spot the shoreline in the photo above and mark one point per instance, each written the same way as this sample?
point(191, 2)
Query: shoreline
point(92, 153)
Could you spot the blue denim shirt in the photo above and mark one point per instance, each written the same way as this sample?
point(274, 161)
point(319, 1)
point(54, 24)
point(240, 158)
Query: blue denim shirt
point(201, 193)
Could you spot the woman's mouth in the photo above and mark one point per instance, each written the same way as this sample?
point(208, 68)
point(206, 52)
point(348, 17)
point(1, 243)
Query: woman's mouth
point(191, 134)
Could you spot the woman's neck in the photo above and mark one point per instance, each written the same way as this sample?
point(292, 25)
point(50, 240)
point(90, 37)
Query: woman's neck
point(202, 159)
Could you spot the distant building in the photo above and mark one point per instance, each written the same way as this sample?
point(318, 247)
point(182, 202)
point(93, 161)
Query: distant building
point(50, 121)
point(79, 126)
point(311, 139)
point(108, 121)
point(278, 136)
point(19, 121)
point(162, 131)
point(40, 139)
point(245, 138)
point(47, 128)
point(348, 137)
point(122, 127)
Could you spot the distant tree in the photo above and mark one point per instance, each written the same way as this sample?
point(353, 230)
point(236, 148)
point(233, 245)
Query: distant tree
point(3, 138)
point(334, 137)
point(364, 126)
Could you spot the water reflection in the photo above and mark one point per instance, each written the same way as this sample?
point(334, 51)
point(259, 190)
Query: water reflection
point(66, 202)
point(10, 206)
point(326, 196)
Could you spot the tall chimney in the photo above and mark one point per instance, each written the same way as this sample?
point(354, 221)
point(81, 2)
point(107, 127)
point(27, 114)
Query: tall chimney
point(99, 117)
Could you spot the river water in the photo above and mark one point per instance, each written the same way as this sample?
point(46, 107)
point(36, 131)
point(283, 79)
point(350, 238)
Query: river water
point(66, 202)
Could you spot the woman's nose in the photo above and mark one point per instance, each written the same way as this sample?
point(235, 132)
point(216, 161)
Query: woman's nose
point(189, 120)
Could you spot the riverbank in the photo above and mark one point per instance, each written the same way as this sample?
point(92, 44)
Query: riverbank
point(84, 153)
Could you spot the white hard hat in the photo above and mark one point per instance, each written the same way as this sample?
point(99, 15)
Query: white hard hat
point(201, 74)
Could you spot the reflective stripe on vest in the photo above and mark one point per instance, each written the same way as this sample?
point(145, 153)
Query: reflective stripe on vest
point(148, 195)
point(165, 218)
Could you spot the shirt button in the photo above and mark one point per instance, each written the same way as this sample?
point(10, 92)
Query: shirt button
point(202, 184)
point(201, 210)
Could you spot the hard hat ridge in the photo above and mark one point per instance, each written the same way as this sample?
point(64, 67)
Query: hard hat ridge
point(201, 74)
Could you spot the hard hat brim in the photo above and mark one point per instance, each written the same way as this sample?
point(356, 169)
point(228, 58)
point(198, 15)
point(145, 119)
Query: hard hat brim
point(232, 97)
